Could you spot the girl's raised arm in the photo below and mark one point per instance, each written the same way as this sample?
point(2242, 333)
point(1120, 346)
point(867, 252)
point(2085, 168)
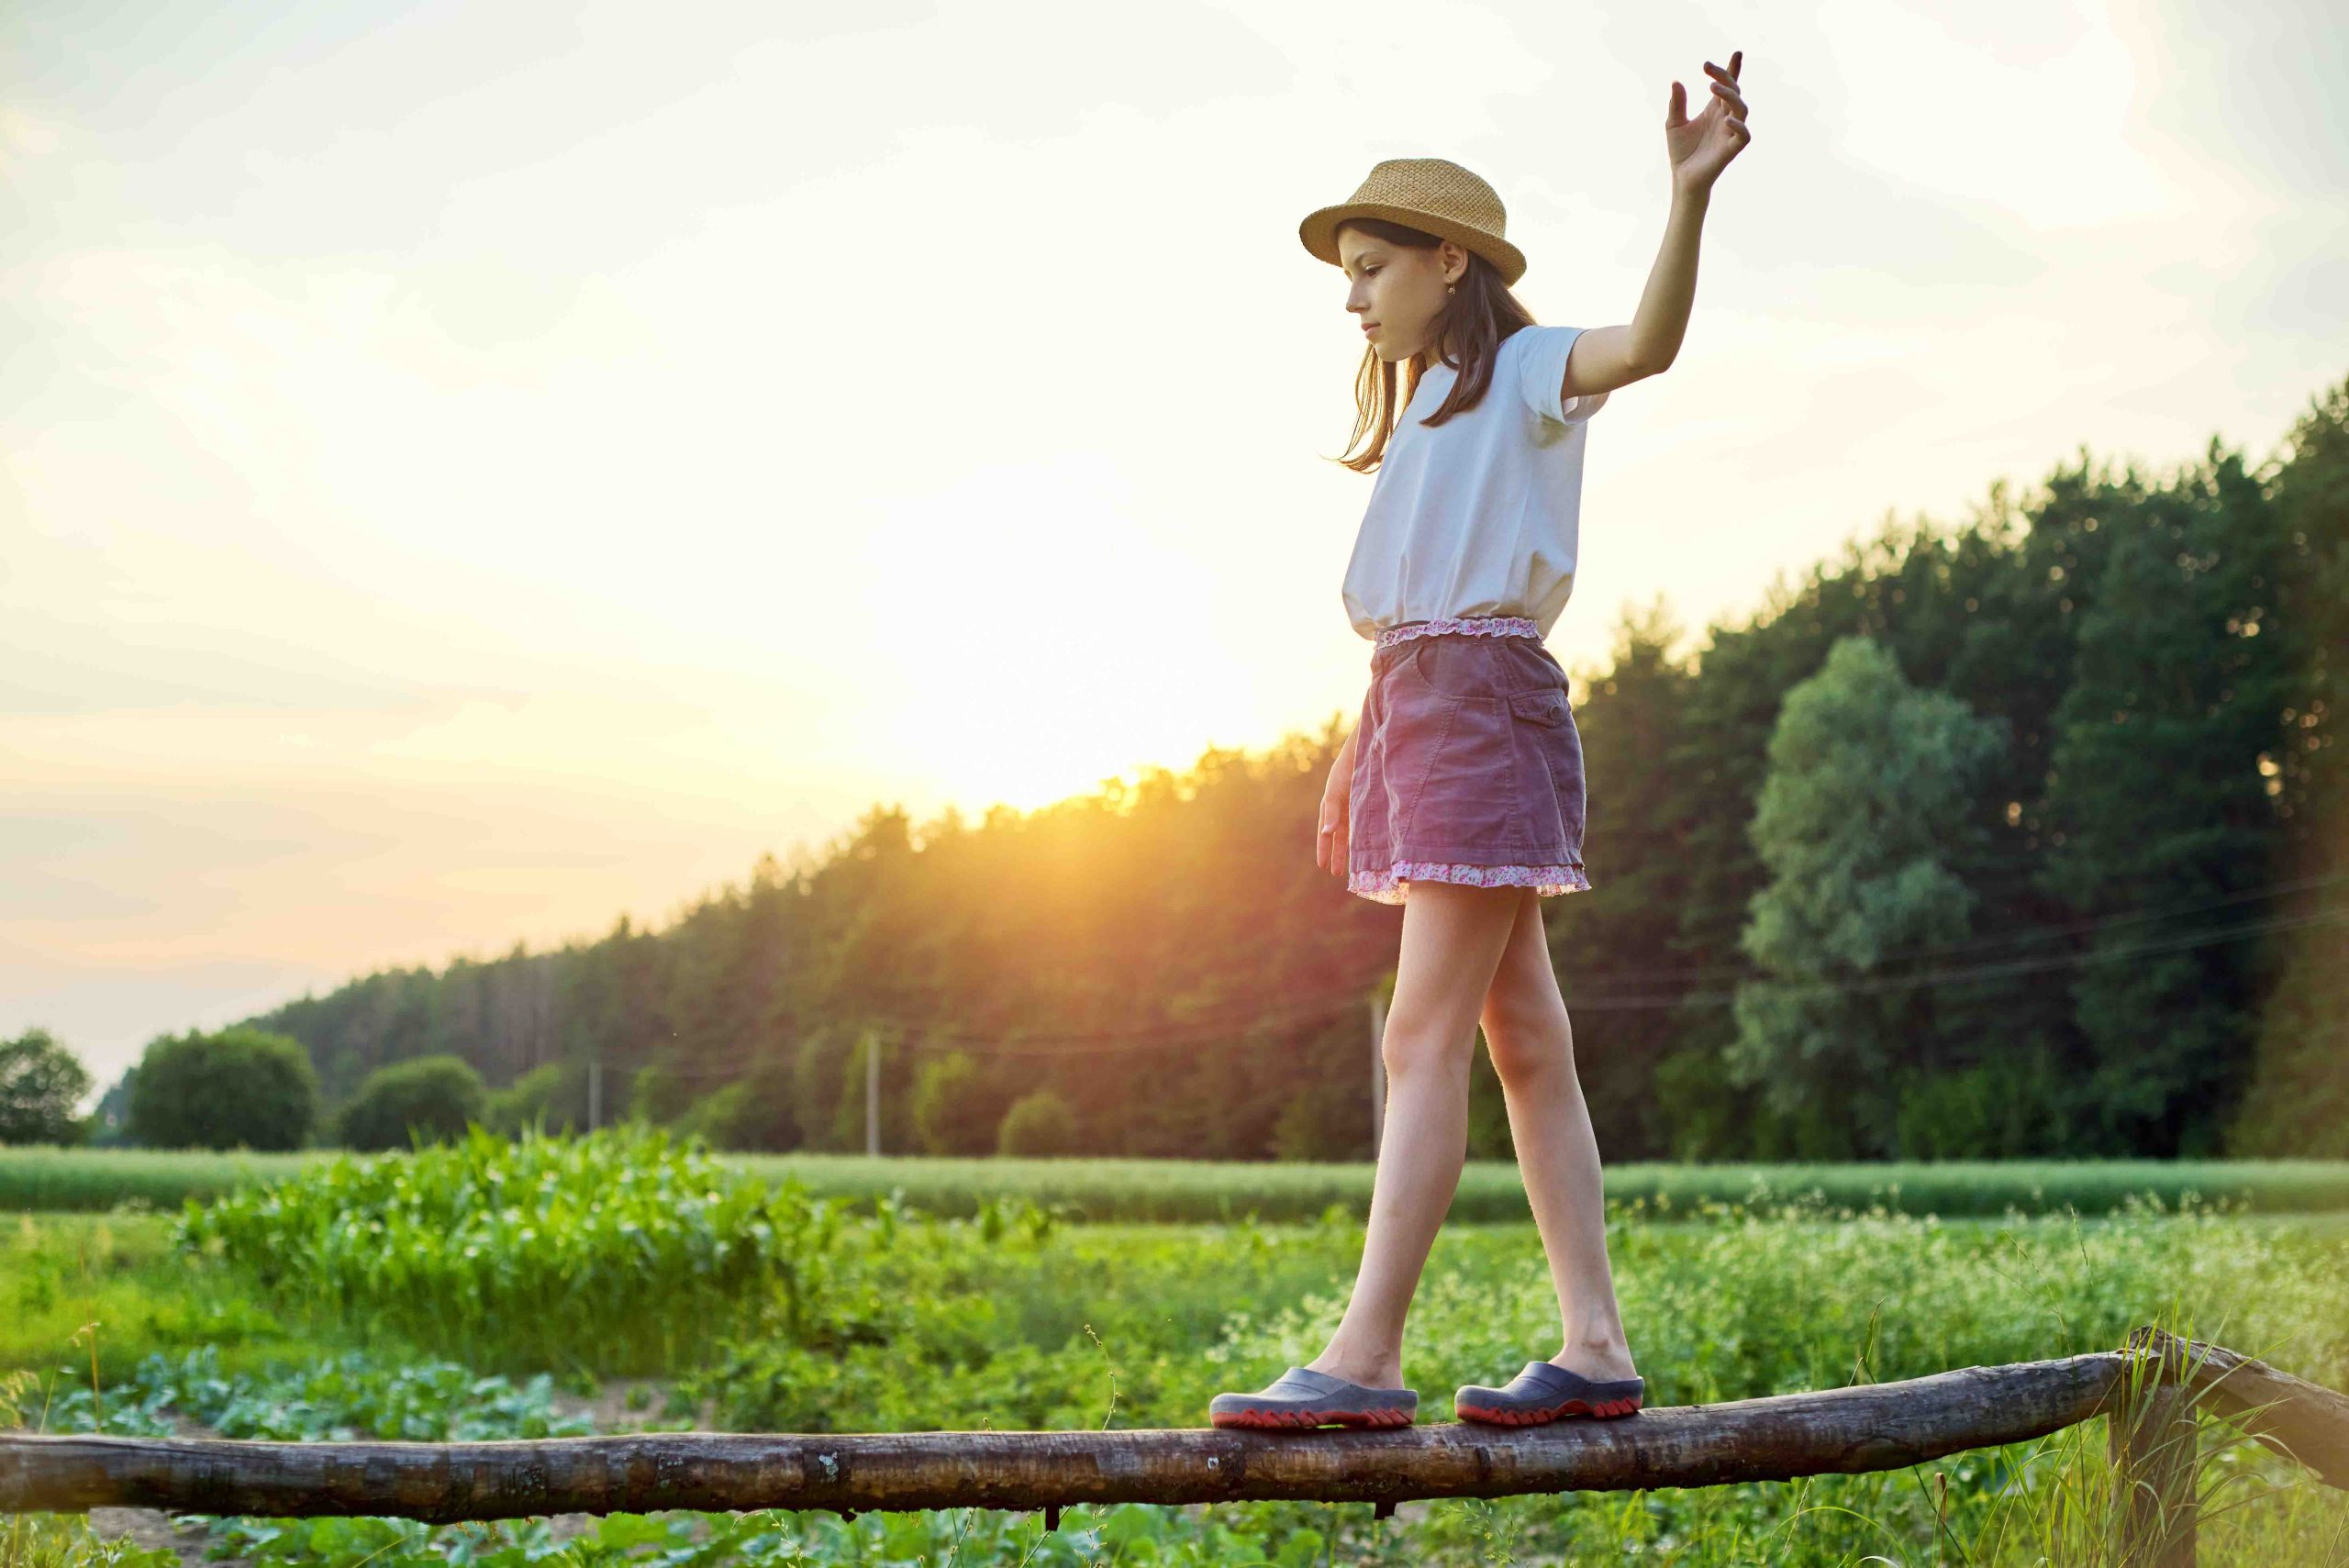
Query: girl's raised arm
point(1605, 358)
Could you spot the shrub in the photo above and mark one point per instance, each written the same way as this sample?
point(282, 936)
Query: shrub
point(1703, 1115)
point(657, 1094)
point(622, 1250)
point(950, 1105)
point(428, 1097)
point(242, 1087)
point(40, 1084)
point(1991, 1111)
point(725, 1118)
point(1039, 1124)
point(546, 1097)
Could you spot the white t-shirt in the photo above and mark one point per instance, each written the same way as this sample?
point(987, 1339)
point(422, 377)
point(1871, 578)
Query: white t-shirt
point(1478, 515)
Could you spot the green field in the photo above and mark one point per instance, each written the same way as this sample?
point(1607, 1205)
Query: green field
point(481, 1293)
point(1152, 1191)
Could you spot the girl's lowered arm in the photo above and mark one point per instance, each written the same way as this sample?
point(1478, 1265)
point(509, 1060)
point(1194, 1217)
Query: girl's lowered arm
point(1605, 358)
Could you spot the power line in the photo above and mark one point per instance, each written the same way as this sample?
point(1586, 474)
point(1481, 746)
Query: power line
point(920, 1037)
point(2007, 970)
point(2001, 939)
point(1244, 1013)
point(1595, 992)
point(1078, 1046)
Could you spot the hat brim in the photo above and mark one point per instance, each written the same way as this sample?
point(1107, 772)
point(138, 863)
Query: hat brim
point(1319, 233)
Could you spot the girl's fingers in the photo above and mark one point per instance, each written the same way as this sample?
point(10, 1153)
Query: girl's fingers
point(1330, 847)
point(1725, 86)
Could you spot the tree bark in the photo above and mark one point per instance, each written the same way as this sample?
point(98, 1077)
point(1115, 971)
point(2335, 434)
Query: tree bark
point(1844, 1430)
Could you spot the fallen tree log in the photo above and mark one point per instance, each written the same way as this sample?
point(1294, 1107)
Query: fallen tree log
point(1849, 1430)
point(1871, 1427)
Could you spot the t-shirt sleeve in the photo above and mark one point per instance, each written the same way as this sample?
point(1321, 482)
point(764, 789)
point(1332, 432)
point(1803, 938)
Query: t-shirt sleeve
point(1541, 375)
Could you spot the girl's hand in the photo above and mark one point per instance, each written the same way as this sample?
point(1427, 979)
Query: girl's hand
point(1330, 843)
point(1701, 148)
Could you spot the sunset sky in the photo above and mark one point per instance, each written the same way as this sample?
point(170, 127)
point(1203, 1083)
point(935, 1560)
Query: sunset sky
point(468, 470)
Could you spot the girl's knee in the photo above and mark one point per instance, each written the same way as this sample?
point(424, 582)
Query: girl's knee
point(1409, 1050)
point(1522, 1054)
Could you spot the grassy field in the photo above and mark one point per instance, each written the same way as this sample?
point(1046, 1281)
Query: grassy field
point(262, 1321)
point(58, 1180)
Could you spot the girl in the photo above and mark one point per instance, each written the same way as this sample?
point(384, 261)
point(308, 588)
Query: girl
point(1460, 793)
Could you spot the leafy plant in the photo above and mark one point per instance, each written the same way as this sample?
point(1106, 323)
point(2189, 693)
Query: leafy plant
point(618, 1251)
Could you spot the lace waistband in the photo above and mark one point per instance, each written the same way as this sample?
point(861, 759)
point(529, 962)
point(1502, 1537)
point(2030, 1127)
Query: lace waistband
point(1463, 625)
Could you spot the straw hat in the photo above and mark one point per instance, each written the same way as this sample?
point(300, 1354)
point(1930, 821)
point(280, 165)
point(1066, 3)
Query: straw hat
point(1432, 193)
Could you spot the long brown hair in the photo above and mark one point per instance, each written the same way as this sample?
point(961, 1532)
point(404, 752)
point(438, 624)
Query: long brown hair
point(1477, 314)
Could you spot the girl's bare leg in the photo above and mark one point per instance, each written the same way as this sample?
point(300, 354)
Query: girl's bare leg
point(1532, 1046)
point(1452, 940)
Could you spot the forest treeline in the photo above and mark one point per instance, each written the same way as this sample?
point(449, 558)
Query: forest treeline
point(2023, 836)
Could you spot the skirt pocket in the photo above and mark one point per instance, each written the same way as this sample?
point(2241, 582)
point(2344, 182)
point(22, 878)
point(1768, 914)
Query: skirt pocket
point(1548, 769)
point(1545, 705)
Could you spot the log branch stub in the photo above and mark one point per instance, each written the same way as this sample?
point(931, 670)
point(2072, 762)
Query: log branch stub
point(2305, 1422)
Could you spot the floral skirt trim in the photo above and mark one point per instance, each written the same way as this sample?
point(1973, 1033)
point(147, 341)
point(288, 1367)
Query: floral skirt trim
point(1390, 885)
point(1468, 626)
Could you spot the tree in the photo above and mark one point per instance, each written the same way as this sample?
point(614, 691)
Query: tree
point(432, 1097)
point(1039, 1124)
point(819, 1084)
point(2309, 771)
point(2168, 656)
point(2159, 799)
point(40, 1084)
point(2297, 1102)
point(767, 1121)
point(239, 1088)
point(1640, 848)
point(1867, 787)
point(110, 1123)
point(550, 1096)
point(2296, 1106)
point(946, 1095)
point(729, 1118)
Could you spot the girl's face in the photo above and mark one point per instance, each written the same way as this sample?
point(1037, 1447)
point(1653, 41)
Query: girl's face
point(1396, 291)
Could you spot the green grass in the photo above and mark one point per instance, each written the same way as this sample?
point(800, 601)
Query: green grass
point(42, 1179)
point(1135, 1326)
point(1493, 1192)
point(1184, 1192)
point(1007, 1319)
point(60, 1274)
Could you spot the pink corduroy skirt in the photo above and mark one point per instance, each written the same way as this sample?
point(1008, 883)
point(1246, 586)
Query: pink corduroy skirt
point(1467, 764)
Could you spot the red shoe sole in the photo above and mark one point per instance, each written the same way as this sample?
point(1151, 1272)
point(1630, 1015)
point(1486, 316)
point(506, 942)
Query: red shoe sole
point(1299, 1419)
point(1536, 1417)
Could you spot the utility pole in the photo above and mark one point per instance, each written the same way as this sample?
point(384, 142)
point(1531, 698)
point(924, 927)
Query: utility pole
point(1377, 1073)
point(873, 1091)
